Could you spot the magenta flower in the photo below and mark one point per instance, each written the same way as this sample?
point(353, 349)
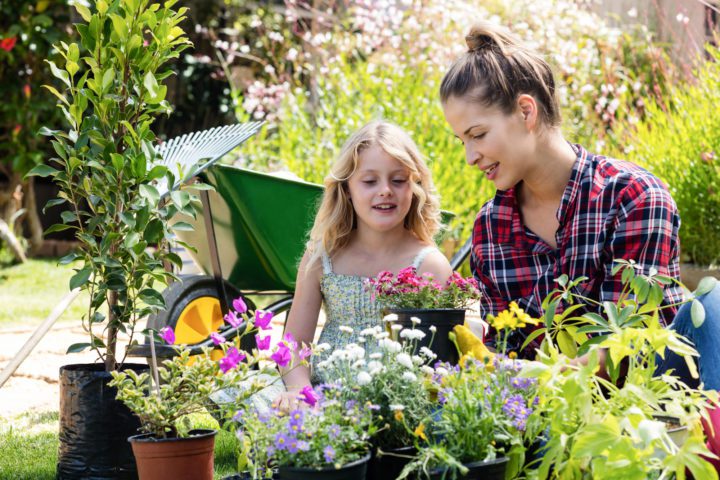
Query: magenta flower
point(282, 355)
point(309, 396)
point(304, 353)
point(231, 359)
point(290, 340)
point(217, 339)
point(263, 343)
point(262, 319)
point(167, 334)
point(233, 319)
point(239, 305)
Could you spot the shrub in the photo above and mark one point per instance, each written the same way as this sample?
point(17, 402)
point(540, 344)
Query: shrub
point(681, 145)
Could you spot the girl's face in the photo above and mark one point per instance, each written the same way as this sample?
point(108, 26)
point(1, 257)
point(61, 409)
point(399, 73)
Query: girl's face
point(380, 190)
point(500, 145)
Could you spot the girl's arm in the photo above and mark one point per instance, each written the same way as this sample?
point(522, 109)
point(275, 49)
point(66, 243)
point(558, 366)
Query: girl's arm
point(438, 265)
point(301, 324)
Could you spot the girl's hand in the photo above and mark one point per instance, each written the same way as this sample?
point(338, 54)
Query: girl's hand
point(289, 401)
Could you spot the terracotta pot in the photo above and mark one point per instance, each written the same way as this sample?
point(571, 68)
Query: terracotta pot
point(352, 471)
point(189, 458)
point(443, 319)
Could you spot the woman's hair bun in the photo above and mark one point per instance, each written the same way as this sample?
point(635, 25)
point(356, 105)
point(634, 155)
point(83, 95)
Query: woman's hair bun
point(479, 39)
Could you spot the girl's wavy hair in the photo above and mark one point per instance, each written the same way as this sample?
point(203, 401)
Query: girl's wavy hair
point(335, 219)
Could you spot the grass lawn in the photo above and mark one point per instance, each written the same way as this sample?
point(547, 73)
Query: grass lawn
point(29, 444)
point(29, 292)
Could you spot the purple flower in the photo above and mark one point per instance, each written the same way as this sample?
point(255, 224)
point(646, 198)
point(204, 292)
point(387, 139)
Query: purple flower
point(239, 415)
point(239, 305)
point(329, 454)
point(263, 343)
point(232, 319)
point(217, 339)
point(296, 417)
point(282, 355)
point(292, 445)
point(231, 359)
point(334, 432)
point(282, 441)
point(304, 353)
point(262, 319)
point(290, 340)
point(303, 446)
point(309, 396)
point(167, 334)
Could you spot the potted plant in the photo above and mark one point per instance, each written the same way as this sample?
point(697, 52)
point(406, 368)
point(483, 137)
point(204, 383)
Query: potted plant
point(328, 441)
point(383, 372)
point(106, 170)
point(408, 295)
point(484, 404)
point(621, 424)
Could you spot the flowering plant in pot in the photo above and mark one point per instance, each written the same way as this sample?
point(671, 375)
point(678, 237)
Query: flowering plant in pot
point(484, 405)
point(330, 440)
point(184, 385)
point(410, 295)
point(620, 422)
point(383, 372)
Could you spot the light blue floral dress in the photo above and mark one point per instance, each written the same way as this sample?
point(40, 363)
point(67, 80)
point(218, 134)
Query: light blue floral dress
point(347, 301)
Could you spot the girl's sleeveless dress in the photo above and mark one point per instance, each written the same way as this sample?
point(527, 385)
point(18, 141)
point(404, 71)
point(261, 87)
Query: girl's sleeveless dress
point(347, 302)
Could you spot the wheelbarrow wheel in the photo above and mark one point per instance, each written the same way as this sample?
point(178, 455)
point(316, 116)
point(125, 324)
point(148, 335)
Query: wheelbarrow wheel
point(193, 309)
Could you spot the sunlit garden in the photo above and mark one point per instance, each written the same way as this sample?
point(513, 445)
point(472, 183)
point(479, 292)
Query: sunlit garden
point(169, 177)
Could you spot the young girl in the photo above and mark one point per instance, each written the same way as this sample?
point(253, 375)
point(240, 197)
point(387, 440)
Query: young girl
point(379, 212)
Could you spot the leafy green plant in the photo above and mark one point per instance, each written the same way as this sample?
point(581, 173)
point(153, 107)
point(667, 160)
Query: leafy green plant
point(681, 145)
point(105, 161)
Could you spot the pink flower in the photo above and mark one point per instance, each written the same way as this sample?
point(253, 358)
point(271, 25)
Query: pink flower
point(8, 44)
point(309, 396)
point(263, 343)
point(304, 353)
point(282, 355)
point(168, 335)
point(239, 305)
point(232, 319)
point(290, 340)
point(231, 359)
point(262, 319)
point(217, 339)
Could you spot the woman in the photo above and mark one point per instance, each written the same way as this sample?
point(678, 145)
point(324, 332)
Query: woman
point(558, 208)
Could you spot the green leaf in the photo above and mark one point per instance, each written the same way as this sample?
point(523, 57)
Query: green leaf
point(83, 11)
point(152, 297)
point(131, 239)
point(78, 347)
point(706, 285)
point(58, 227)
point(150, 193)
point(119, 26)
point(102, 7)
point(566, 343)
point(69, 258)
point(42, 171)
point(107, 79)
point(127, 219)
point(97, 318)
point(153, 231)
point(151, 84)
point(59, 95)
point(80, 278)
point(697, 313)
point(182, 227)
point(68, 216)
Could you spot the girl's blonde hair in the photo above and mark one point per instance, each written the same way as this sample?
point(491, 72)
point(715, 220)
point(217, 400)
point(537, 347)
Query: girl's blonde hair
point(496, 69)
point(335, 219)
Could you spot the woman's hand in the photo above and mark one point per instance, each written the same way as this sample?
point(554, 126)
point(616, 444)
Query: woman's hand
point(289, 401)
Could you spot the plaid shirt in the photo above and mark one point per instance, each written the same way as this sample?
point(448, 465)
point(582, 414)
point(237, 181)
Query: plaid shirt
point(610, 210)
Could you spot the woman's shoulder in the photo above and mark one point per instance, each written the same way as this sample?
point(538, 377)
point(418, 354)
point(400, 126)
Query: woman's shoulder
point(613, 173)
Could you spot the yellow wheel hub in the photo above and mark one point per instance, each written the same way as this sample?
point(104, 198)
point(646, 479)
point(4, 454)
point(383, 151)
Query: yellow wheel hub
point(198, 320)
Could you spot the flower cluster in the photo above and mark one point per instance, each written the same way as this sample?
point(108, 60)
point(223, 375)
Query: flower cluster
point(333, 433)
point(388, 374)
point(189, 383)
point(410, 290)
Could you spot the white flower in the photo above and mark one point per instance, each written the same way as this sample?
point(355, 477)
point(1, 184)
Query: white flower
point(412, 334)
point(404, 360)
point(428, 353)
point(363, 378)
point(370, 331)
point(396, 407)
point(346, 329)
point(382, 335)
point(392, 317)
point(395, 327)
point(433, 329)
point(390, 345)
point(441, 371)
point(359, 363)
point(427, 370)
point(376, 355)
point(417, 360)
point(409, 376)
point(323, 347)
point(415, 320)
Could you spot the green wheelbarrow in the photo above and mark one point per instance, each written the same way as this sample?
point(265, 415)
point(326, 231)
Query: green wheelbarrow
point(249, 237)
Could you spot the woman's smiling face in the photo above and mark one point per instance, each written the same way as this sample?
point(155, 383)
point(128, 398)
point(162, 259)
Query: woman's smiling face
point(497, 143)
point(380, 190)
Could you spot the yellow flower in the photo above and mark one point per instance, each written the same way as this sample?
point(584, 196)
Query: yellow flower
point(399, 415)
point(420, 432)
point(504, 319)
point(512, 355)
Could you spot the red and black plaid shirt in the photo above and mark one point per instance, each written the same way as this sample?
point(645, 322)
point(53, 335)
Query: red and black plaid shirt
point(610, 210)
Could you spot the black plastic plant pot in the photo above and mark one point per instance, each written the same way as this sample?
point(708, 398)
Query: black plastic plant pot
point(389, 465)
point(356, 470)
point(489, 470)
point(443, 319)
point(94, 427)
